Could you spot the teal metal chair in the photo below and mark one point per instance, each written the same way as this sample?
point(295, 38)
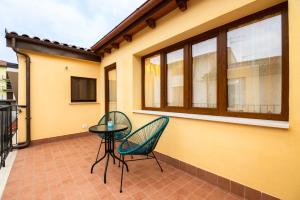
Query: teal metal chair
point(118, 118)
point(142, 142)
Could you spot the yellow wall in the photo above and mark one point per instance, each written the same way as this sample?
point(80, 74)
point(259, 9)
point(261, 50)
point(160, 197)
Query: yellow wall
point(51, 111)
point(267, 159)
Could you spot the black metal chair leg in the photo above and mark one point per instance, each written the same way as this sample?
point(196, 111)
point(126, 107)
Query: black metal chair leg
point(157, 162)
point(113, 149)
point(120, 159)
point(122, 174)
point(127, 169)
point(119, 154)
point(99, 149)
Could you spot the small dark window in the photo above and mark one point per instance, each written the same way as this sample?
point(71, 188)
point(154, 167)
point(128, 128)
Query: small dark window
point(83, 89)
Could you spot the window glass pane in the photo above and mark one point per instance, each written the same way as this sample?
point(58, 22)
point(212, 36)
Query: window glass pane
point(152, 81)
point(205, 74)
point(83, 89)
point(175, 78)
point(254, 67)
point(112, 87)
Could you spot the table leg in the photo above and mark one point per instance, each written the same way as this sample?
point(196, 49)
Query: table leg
point(114, 156)
point(109, 151)
point(112, 153)
point(106, 168)
point(112, 146)
point(105, 154)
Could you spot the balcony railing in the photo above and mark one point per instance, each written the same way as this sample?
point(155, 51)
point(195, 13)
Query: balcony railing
point(256, 108)
point(8, 130)
point(7, 90)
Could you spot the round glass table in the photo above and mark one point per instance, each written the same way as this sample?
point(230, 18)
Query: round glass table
point(108, 133)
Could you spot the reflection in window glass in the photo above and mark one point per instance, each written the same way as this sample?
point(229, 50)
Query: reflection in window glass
point(112, 79)
point(175, 78)
point(83, 89)
point(254, 67)
point(205, 74)
point(152, 81)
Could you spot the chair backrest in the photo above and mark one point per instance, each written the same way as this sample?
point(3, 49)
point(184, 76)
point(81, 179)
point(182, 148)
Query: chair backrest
point(148, 135)
point(118, 118)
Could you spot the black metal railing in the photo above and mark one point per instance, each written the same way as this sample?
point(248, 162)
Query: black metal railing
point(8, 130)
point(253, 108)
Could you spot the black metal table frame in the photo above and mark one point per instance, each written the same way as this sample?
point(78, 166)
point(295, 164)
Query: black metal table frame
point(109, 151)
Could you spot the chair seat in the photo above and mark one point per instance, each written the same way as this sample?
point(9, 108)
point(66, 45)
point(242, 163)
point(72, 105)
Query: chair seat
point(128, 148)
point(119, 136)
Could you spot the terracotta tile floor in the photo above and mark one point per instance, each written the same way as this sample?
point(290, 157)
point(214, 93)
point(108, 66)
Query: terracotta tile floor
point(61, 170)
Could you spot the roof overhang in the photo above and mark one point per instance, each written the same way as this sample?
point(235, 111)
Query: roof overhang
point(8, 64)
point(46, 46)
point(145, 16)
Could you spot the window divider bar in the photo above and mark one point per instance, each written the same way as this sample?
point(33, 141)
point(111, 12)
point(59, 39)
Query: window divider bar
point(143, 84)
point(187, 85)
point(222, 98)
point(163, 83)
point(285, 64)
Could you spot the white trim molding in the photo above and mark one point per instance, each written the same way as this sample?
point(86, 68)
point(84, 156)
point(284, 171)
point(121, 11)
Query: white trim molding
point(5, 171)
point(234, 120)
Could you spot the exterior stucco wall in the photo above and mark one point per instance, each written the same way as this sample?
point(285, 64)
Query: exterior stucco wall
point(52, 113)
point(266, 159)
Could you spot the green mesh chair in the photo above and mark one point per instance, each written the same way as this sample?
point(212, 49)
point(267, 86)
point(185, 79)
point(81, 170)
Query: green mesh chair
point(118, 118)
point(143, 142)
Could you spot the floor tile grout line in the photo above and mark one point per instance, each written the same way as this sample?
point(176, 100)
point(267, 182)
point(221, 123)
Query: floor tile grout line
point(64, 152)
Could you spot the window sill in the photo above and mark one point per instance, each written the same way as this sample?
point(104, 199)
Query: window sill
point(234, 120)
point(82, 103)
